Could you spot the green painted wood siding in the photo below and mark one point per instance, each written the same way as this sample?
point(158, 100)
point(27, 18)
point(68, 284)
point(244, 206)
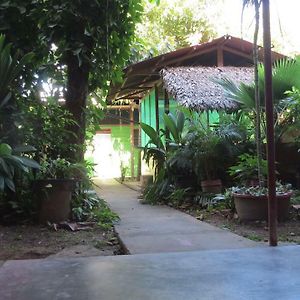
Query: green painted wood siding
point(148, 113)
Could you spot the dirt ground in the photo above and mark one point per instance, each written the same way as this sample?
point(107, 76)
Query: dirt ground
point(288, 231)
point(35, 241)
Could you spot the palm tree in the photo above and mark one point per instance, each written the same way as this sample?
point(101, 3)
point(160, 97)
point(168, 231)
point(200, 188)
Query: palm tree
point(286, 76)
point(256, 4)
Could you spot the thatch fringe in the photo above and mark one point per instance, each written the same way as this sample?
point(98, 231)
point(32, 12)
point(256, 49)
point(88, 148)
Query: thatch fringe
point(197, 87)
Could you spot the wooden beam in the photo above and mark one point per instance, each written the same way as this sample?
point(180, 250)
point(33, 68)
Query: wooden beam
point(142, 88)
point(122, 107)
point(139, 84)
point(236, 52)
point(126, 96)
point(129, 97)
point(123, 83)
point(191, 54)
point(220, 57)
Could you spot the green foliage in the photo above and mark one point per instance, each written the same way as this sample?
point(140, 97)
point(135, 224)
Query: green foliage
point(206, 199)
point(87, 206)
point(124, 168)
point(83, 45)
point(94, 114)
point(287, 127)
point(177, 196)
point(170, 26)
point(286, 77)
point(105, 217)
point(175, 125)
point(97, 33)
point(262, 191)
point(11, 67)
point(159, 190)
point(10, 70)
point(48, 121)
point(247, 169)
point(10, 164)
point(60, 168)
point(194, 152)
point(226, 200)
point(295, 199)
point(212, 148)
point(154, 150)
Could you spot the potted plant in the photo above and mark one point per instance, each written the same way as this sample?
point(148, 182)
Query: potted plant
point(211, 148)
point(250, 198)
point(246, 170)
point(208, 164)
point(55, 184)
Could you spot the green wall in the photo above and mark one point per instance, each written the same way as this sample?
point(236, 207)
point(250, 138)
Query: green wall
point(148, 113)
point(121, 143)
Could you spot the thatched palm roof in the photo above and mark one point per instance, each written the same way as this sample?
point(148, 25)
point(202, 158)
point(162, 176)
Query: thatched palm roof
point(196, 87)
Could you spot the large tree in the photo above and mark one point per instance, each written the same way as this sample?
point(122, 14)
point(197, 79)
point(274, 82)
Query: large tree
point(169, 26)
point(84, 42)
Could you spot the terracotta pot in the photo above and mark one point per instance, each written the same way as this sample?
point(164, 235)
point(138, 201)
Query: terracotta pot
point(55, 197)
point(211, 186)
point(250, 207)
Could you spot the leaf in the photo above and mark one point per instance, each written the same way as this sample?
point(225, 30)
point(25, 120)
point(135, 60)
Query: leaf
point(10, 184)
point(154, 137)
point(171, 125)
point(77, 51)
point(28, 162)
point(180, 121)
point(2, 183)
point(5, 100)
point(4, 167)
point(24, 149)
point(79, 60)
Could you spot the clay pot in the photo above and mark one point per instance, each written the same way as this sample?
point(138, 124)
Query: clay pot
point(212, 186)
point(250, 207)
point(55, 197)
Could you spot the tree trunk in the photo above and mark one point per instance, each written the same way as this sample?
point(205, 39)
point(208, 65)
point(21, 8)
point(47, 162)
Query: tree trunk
point(76, 100)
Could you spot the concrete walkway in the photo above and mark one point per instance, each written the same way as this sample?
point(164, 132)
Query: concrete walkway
point(239, 274)
point(158, 229)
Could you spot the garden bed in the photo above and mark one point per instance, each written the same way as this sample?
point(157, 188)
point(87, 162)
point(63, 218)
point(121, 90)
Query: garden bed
point(35, 241)
point(288, 231)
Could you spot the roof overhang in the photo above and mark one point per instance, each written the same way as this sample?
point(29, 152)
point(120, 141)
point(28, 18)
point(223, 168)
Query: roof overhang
point(199, 88)
point(141, 77)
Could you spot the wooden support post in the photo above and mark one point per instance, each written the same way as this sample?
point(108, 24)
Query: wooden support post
point(139, 166)
point(156, 108)
point(207, 119)
point(167, 110)
point(220, 57)
point(131, 140)
point(167, 102)
point(272, 201)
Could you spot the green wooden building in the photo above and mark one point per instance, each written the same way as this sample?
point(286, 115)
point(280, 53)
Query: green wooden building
point(185, 77)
